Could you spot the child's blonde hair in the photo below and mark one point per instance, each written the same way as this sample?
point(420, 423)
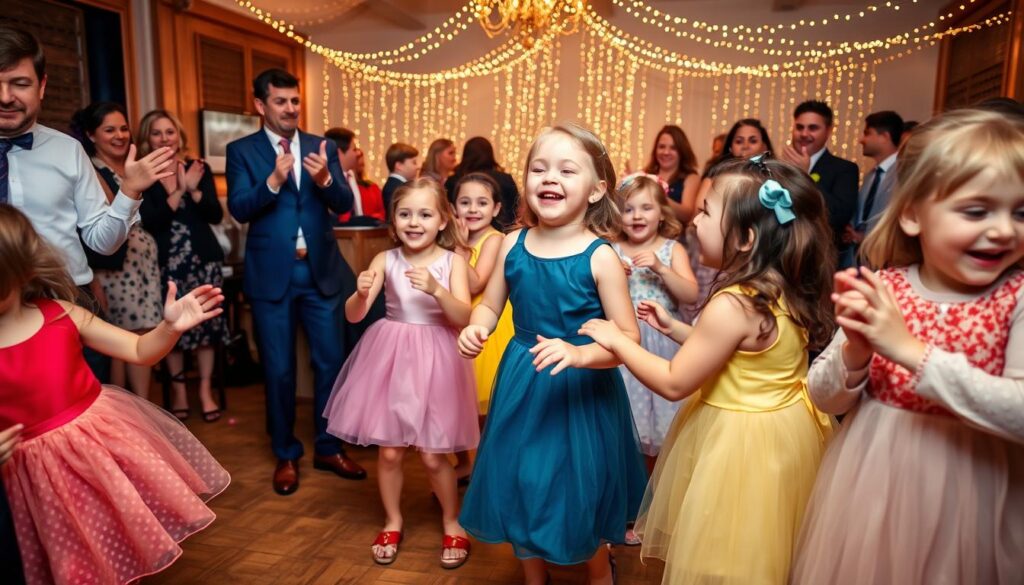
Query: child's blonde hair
point(603, 218)
point(669, 227)
point(449, 238)
point(28, 263)
point(941, 156)
point(794, 260)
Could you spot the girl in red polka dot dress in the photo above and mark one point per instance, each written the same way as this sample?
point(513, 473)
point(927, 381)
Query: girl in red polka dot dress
point(102, 485)
point(925, 482)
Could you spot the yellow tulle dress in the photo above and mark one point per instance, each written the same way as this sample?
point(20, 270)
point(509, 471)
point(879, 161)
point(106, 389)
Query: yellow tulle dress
point(486, 364)
point(727, 496)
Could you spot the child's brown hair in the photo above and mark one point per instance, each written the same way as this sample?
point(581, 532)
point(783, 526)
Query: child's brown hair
point(603, 217)
point(448, 238)
point(28, 263)
point(669, 227)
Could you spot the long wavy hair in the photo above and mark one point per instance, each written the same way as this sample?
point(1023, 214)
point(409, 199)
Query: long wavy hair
point(433, 152)
point(687, 159)
point(477, 155)
point(449, 238)
point(146, 125)
point(794, 262)
point(941, 156)
point(604, 217)
point(30, 264)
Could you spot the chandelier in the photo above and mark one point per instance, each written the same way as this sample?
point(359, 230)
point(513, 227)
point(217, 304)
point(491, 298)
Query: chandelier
point(529, 16)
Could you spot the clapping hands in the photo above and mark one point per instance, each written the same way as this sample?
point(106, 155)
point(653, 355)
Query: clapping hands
point(871, 318)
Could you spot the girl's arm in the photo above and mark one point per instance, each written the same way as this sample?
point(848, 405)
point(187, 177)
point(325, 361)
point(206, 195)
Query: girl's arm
point(613, 289)
point(725, 323)
point(455, 302)
point(656, 316)
point(179, 316)
point(485, 263)
point(368, 286)
point(679, 278)
point(834, 388)
point(484, 317)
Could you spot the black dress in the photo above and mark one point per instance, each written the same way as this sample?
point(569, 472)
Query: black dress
point(188, 251)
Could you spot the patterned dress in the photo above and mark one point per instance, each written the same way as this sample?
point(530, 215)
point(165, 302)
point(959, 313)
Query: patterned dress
point(133, 293)
point(652, 414)
point(925, 482)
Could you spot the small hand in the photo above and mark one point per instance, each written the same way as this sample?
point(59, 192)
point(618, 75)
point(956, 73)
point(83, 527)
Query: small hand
point(876, 316)
point(423, 280)
point(193, 175)
point(9, 439)
point(192, 309)
point(798, 156)
point(603, 332)
point(655, 315)
point(463, 229)
point(471, 340)
point(180, 185)
point(365, 282)
point(648, 259)
point(282, 166)
point(554, 352)
point(316, 165)
point(140, 174)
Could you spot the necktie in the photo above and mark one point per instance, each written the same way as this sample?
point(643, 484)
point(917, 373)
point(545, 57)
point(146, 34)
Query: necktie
point(869, 202)
point(286, 148)
point(6, 144)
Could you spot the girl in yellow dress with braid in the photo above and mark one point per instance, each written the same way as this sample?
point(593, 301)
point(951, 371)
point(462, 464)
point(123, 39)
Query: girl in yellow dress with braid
point(727, 496)
point(477, 199)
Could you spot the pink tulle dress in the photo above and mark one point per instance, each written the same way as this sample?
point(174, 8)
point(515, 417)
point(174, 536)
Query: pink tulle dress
point(104, 485)
point(405, 384)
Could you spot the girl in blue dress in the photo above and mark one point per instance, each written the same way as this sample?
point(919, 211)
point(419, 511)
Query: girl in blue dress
point(559, 471)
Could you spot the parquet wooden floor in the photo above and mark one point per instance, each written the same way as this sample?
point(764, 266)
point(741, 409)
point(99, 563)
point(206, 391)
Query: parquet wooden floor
point(321, 535)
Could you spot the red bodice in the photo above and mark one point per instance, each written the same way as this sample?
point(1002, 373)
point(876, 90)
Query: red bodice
point(44, 380)
point(977, 328)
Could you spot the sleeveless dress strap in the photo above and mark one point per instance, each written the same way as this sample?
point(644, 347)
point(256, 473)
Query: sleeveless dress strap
point(594, 246)
point(522, 237)
point(50, 309)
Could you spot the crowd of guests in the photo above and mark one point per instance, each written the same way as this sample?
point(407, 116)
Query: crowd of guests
point(749, 242)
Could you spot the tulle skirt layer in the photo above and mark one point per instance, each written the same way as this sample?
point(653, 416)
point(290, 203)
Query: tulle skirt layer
point(107, 497)
point(914, 499)
point(405, 385)
point(727, 496)
point(559, 470)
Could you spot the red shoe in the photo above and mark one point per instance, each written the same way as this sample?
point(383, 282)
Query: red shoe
point(387, 538)
point(456, 542)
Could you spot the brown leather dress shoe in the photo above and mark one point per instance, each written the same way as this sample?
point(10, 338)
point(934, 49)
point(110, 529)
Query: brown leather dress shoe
point(340, 465)
point(286, 477)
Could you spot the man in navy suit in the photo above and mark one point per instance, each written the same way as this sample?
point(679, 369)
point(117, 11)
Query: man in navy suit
point(287, 185)
point(836, 177)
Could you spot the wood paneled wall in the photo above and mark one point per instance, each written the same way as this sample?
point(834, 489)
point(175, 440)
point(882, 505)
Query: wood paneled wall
point(207, 57)
point(984, 64)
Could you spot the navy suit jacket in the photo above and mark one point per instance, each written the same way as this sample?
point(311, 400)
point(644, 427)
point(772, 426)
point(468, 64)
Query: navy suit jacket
point(390, 186)
point(837, 182)
point(274, 219)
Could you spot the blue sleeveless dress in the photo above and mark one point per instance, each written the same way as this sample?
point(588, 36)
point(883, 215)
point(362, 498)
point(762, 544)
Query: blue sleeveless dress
point(559, 467)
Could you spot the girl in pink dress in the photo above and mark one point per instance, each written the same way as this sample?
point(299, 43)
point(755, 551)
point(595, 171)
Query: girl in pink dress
point(103, 485)
point(924, 484)
point(405, 384)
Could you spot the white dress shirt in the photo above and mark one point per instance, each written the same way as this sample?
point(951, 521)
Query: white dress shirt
point(296, 151)
point(869, 178)
point(357, 200)
point(56, 186)
point(816, 157)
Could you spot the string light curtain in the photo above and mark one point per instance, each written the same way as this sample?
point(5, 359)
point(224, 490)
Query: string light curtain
point(626, 81)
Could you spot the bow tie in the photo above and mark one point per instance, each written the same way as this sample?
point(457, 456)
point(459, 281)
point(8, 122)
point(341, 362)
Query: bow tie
point(24, 141)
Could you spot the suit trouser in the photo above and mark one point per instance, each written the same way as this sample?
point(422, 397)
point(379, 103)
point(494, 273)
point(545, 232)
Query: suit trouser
point(275, 323)
point(10, 559)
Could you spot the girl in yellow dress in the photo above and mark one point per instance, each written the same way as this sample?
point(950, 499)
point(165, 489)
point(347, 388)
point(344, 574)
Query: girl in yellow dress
point(728, 493)
point(477, 199)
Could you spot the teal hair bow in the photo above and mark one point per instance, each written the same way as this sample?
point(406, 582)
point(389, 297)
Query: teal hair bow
point(776, 197)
